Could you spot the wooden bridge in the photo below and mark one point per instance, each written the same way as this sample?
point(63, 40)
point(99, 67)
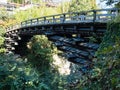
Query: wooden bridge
point(70, 32)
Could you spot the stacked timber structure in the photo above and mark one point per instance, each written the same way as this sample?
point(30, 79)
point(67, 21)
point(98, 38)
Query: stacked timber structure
point(70, 32)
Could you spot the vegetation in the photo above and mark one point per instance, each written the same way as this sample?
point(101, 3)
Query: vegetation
point(109, 57)
point(109, 2)
point(64, 7)
point(105, 74)
point(16, 74)
point(25, 1)
point(41, 51)
point(40, 56)
point(2, 31)
point(40, 11)
point(82, 5)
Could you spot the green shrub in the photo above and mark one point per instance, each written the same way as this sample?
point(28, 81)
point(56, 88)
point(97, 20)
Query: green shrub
point(106, 71)
point(109, 57)
point(105, 74)
point(16, 74)
point(40, 52)
point(2, 32)
point(40, 55)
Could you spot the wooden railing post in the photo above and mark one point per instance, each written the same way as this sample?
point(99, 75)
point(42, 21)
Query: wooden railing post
point(37, 21)
point(7, 29)
point(117, 12)
point(77, 18)
point(30, 22)
point(12, 26)
point(44, 20)
point(25, 23)
point(54, 20)
point(21, 24)
point(62, 18)
point(94, 15)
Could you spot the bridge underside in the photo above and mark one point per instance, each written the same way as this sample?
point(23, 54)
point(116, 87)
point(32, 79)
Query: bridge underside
point(78, 34)
point(75, 39)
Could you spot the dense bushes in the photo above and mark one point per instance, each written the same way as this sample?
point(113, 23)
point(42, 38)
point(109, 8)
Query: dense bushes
point(40, 52)
point(16, 74)
point(40, 55)
point(106, 72)
point(109, 57)
point(2, 31)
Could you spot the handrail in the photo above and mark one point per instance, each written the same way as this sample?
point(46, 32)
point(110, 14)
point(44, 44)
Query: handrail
point(100, 15)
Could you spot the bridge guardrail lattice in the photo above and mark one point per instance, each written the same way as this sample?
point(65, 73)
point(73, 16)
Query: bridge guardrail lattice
point(102, 15)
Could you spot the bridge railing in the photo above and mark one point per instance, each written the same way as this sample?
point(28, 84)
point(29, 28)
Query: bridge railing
point(102, 15)
point(105, 15)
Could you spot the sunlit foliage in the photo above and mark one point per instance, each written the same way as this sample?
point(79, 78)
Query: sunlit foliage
point(2, 31)
point(35, 12)
point(82, 5)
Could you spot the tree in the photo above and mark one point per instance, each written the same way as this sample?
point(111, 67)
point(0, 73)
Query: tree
point(25, 1)
point(2, 31)
point(80, 5)
point(41, 51)
point(65, 6)
point(110, 2)
point(16, 74)
point(17, 1)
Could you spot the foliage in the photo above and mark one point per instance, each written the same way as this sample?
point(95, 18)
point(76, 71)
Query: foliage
point(35, 12)
point(3, 14)
point(17, 1)
point(63, 7)
point(40, 56)
point(106, 72)
point(82, 5)
point(37, 1)
point(25, 1)
point(3, 17)
point(6, 18)
point(109, 2)
point(16, 74)
point(40, 51)
point(109, 58)
point(2, 31)
point(116, 3)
